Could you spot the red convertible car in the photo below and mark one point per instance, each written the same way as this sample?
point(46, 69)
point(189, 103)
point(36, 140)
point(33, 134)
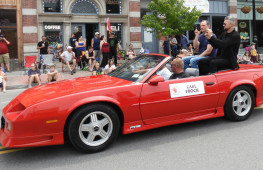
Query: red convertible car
point(92, 111)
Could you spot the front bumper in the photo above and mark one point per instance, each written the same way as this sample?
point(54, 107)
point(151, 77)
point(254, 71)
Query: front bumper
point(9, 140)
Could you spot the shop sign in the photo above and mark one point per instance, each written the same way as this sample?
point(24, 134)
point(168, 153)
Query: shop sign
point(112, 2)
point(52, 27)
point(135, 29)
point(202, 5)
point(242, 24)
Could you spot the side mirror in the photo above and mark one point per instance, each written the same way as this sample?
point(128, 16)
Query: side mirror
point(156, 79)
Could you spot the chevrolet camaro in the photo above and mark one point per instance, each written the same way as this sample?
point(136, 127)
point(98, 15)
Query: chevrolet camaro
point(90, 112)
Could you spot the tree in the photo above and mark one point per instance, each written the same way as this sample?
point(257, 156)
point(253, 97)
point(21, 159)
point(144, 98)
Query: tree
point(170, 17)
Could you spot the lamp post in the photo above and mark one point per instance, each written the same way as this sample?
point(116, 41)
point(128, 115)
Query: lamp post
point(255, 39)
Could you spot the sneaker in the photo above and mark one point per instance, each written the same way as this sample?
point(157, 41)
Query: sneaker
point(72, 72)
point(4, 91)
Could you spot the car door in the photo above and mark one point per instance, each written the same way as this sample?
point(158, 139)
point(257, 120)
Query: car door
point(179, 99)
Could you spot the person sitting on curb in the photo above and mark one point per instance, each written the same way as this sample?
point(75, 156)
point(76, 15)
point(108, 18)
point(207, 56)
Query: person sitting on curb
point(68, 57)
point(34, 75)
point(90, 58)
point(177, 66)
point(2, 80)
point(52, 74)
point(109, 67)
point(97, 70)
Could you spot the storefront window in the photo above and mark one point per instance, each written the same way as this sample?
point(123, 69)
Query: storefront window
point(52, 6)
point(243, 29)
point(7, 17)
point(113, 6)
point(9, 30)
point(54, 34)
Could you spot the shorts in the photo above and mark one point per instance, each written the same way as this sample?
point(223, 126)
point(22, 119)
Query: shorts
point(4, 58)
point(97, 53)
point(70, 62)
point(1, 85)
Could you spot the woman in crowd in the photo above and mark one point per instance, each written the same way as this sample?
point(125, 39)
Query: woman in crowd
point(34, 75)
point(131, 53)
point(105, 50)
point(109, 67)
point(90, 58)
point(80, 46)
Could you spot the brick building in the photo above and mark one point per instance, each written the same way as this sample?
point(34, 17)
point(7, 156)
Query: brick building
point(25, 21)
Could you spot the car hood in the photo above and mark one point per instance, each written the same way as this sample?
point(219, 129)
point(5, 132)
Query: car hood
point(66, 87)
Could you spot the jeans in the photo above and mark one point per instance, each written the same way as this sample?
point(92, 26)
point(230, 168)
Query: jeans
point(192, 60)
point(174, 50)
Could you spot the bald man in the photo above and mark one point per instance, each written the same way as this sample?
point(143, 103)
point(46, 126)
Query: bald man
point(177, 66)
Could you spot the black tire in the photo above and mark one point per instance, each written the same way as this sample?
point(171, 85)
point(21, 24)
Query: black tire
point(239, 104)
point(94, 136)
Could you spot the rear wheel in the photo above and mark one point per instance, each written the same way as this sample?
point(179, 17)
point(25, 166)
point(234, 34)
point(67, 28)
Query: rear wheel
point(239, 104)
point(93, 128)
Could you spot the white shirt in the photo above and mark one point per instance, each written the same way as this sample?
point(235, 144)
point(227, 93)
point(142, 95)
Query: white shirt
point(165, 73)
point(1, 79)
point(111, 67)
point(67, 56)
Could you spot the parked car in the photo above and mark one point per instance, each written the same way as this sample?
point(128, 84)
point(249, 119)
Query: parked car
point(92, 111)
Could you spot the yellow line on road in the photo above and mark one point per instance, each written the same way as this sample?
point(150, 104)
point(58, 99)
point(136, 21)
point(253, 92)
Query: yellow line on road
point(259, 107)
point(1, 147)
point(11, 150)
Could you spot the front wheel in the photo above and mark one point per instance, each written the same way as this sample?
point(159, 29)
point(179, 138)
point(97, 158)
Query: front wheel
point(239, 104)
point(93, 128)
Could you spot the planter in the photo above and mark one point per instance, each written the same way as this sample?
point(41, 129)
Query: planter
point(260, 9)
point(246, 9)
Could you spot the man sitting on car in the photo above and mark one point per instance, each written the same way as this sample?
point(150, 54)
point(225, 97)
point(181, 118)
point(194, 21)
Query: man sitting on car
point(177, 67)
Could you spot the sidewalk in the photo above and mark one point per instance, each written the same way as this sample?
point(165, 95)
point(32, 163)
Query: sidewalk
point(18, 79)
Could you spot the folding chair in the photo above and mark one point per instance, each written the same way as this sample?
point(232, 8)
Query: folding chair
point(64, 64)
point(47, 61)
point(28, 61)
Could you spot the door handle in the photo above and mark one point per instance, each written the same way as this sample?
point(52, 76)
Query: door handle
point(210, 83)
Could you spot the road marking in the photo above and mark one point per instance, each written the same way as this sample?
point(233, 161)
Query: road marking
point(259, 107)
point(11, 150)
point(1, 147)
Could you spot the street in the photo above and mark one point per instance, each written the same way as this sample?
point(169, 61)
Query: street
point(209, 144)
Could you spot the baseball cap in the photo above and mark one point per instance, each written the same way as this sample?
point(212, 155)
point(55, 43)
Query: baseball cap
point(1, 35)
point(69, 47)
point(97, 33)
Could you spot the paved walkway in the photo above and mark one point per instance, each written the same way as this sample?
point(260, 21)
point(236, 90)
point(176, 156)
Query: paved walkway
point(19, 79)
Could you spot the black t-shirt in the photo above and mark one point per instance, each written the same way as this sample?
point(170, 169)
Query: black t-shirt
point(113, 44)
point(180, 75)
point(98, 72)
point(43, 50)
point(72, 42)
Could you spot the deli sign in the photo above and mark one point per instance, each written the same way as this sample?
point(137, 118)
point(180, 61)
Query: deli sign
point(186, 89)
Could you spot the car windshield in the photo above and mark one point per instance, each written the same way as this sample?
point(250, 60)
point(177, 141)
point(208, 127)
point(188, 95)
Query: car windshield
point(136, 69)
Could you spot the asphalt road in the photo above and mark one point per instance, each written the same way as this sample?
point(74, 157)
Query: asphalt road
point(209, 144)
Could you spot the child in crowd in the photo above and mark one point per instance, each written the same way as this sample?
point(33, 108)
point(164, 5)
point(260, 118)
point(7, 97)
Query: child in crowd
point(90, 58)
point(52, 74)
point(254, 54)
point(109, 67)
point(2, 80)
point(97, 70)
point(34, 75)
point(246, 59)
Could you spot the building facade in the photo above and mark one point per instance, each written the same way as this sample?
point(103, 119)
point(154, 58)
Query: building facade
point(24, 22)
